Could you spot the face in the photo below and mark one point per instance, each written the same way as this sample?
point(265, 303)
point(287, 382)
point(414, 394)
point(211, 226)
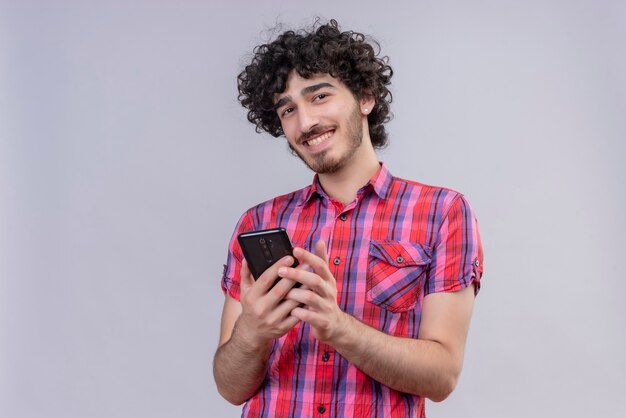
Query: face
point(322, 121)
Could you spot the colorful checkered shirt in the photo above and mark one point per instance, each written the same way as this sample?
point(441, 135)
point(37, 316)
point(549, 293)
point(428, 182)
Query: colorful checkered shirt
point(394, 244)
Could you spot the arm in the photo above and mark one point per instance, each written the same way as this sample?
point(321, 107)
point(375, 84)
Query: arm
point(247, 330)
point(234, 382)
point(428, 366)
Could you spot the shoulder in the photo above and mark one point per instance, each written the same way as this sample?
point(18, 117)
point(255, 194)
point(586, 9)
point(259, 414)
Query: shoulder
point(291, 198)
point(262, 213)
point(437, 198)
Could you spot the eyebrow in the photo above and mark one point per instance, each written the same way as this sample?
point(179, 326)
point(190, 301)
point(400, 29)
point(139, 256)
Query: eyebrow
point(303, 92)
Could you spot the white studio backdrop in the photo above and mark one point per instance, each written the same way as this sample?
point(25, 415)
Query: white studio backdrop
point(125, 161)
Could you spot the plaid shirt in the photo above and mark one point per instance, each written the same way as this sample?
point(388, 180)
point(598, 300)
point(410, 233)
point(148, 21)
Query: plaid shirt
point(394, 244)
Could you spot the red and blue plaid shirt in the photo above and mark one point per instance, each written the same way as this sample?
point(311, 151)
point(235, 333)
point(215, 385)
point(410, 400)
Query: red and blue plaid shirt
point(394, 244)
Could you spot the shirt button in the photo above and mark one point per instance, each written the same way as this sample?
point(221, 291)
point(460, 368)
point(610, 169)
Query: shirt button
point(336, 261)
point(343, 217)
point(325, 356)
point(321, 409)
point(400, 259)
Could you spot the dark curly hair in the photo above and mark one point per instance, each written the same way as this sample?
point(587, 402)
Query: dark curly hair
point(322, 50)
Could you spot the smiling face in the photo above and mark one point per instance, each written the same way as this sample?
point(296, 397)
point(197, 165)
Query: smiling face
point(324, 123)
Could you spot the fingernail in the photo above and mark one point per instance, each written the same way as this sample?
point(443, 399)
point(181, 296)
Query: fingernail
point(297, 251)
point(282, 271)
point(288, 261)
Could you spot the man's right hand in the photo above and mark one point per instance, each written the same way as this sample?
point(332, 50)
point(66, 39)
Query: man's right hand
point(248, 327)
point(265, 314)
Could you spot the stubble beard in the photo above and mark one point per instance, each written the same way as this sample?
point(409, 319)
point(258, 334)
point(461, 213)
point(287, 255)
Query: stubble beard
point(322, 163)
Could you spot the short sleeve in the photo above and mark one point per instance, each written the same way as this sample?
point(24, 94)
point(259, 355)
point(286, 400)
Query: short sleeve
point(458, 255)
point(232, 269)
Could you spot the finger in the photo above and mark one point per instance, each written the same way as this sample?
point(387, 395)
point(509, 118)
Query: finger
point(319, 265)
point(308, 279)
point(304, 266)
point(269, 276)
point(282, 287)
point(246, 279)
point(282, 310)
point(305, 315)
point(305, 297)
point(285, 284)
point(320, 250)
point(307, 268)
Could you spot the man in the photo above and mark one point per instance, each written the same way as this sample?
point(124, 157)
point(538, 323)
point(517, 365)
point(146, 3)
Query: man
point(389, 268)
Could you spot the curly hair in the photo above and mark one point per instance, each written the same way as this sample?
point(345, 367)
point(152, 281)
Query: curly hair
point(325, 50)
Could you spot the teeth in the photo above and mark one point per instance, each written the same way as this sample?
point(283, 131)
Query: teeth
point(319, 139)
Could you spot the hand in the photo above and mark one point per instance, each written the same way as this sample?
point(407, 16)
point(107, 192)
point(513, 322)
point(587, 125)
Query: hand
point(318, 294)
point(265, 312)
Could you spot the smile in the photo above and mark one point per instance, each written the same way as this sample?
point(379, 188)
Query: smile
point(318, 139)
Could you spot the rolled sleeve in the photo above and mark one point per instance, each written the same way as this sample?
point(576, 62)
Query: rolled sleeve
point(458, 257)
point(231, 275)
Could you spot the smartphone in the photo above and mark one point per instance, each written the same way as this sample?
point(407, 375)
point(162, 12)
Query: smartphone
point(264, 247)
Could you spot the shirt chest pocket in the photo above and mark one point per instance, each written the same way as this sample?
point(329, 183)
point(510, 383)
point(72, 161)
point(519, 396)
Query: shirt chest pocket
point(395, 273)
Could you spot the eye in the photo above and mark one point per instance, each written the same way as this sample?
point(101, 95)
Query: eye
point(286, 111)
point(321, 96)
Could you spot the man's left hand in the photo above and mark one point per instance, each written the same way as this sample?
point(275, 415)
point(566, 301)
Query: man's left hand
point(318, 293)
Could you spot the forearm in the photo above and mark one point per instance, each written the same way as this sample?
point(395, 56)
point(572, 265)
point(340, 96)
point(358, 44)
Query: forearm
point(239, 367)
point(428, 366)
point(420, 367)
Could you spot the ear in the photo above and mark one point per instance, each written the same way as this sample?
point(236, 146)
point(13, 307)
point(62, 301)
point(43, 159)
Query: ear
point(367, 103)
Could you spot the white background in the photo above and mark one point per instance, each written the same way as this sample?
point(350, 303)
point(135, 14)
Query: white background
point(125, 161)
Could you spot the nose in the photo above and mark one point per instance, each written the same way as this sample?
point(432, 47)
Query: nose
point(307, 118)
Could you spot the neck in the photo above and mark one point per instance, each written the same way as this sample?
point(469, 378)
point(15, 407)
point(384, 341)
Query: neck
point(343, 184)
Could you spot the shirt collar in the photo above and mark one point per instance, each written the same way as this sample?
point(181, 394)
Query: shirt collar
point(380, 182)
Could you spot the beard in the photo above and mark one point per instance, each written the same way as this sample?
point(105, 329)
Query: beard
point(321, 162)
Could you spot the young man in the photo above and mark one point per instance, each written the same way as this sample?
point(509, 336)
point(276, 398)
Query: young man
point(389, 268)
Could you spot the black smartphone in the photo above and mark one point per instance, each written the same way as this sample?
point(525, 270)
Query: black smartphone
point(264, 247)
